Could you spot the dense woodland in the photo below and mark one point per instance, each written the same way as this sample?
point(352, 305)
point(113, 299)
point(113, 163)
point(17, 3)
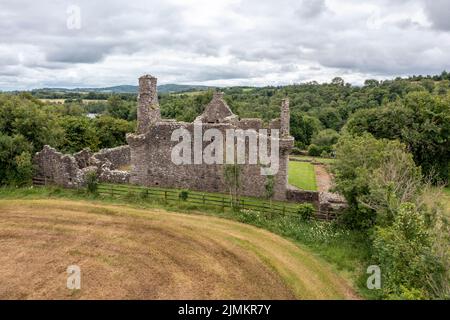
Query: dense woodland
point(391, 141)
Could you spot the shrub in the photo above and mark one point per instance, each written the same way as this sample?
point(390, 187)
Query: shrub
point(143, 194)
point(326, 138)
point(306, 211)
point(92, 182)
point(404, 251)
point(314, 150)
point(358, 171)
point(184, 194)
point(24, 169)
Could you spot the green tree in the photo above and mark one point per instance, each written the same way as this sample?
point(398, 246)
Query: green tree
point(118, 108)
point(325, 140)
point(111, 132)
point(303, 128)
point(79, 133)
point(421, 121)
point(23, 115)
point(15, 160)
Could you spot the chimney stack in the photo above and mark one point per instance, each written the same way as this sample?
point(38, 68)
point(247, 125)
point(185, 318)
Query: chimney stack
point(148, 111)
point(285, 118)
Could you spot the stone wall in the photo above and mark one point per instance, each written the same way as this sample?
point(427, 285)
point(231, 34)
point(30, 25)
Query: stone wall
point(60, 169)
point(70, 171)
point(296, 195)
point(152, 164)
point(118, 157)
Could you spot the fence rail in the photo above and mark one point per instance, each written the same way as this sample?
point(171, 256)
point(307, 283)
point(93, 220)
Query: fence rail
point(206, 199)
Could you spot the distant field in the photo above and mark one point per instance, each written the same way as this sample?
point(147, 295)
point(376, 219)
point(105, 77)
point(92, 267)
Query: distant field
point(189, 93)
point(126, 253)
point(61, 101)
point(302, 175)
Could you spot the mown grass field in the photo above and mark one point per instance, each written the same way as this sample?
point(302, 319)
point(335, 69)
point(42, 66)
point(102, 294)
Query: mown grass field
point(132, 253)
point(302, 175)
point(346, 251)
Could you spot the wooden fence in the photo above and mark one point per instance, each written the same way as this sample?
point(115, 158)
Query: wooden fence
point(206, 199)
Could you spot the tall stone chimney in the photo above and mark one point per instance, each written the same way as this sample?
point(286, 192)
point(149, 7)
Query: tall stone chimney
point(285, 118)
point(148, 111)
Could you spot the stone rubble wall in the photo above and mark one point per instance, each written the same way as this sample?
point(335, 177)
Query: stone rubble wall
point(60, 169)
point(118, 157)
point(152, 165)
point(70, 171)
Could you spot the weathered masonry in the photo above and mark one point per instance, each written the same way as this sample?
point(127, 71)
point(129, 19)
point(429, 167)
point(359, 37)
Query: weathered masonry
point(147, 159)
point(151, 148)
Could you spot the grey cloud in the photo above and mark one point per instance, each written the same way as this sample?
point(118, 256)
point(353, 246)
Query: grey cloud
point(250, 41)
point(438, 12)
point(311, 8)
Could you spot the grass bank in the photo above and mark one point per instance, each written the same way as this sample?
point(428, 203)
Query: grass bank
point(346, 250)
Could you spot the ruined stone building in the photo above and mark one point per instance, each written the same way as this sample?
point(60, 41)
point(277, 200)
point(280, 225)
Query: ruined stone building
point(148, 155)
point(151, 148)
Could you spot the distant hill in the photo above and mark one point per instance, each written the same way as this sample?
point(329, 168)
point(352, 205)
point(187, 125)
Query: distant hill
point(165, 88)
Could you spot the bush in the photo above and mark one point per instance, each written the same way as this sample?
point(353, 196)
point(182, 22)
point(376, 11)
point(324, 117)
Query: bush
point(374, 174)
point(184, 194)
point(306, 211)
point(92, 182)
point(24, 169)
point(314, 150)
point(404, 252)
point(15, 160)
point(143, 194)
point(326, 138)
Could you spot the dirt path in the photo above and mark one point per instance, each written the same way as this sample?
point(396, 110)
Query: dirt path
point(323, 178)
point(126, 253)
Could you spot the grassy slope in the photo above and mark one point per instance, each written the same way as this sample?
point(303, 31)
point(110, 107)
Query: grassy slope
point(346, 251)
point(135, 253)
point(301, 175)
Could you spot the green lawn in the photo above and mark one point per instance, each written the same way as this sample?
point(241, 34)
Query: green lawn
point(302, 175)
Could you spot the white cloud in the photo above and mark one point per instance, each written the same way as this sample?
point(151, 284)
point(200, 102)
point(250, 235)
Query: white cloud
point(248, 42)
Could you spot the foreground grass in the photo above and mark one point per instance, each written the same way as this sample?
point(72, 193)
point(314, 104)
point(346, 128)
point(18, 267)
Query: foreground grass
point(347, 251)
point(302, 175)
point(135, 253)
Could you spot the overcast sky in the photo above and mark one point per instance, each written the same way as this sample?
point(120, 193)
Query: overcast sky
point(255, 42)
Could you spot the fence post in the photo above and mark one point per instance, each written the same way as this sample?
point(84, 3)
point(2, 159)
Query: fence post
point(223, 204)
point(243, 205)
point(284, 209)
point(203, 198)
point(165, 196)
point(112, 192)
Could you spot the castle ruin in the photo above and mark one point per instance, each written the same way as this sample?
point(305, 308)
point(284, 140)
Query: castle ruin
point(147, 160)
point(151, 148)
